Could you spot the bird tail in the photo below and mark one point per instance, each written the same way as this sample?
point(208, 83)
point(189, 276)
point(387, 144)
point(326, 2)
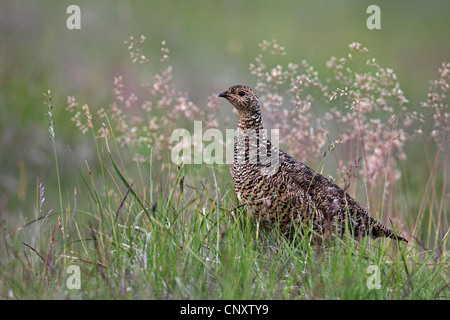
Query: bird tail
point(397, 237)
point(380, 230)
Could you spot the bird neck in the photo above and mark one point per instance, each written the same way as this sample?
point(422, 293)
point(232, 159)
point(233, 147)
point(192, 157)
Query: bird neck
point(251, 121)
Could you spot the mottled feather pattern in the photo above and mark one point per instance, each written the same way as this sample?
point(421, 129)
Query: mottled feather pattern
point(287, 192)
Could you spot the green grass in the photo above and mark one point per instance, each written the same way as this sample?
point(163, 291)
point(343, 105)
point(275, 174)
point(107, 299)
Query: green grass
point(134, 237)
point(158, 239)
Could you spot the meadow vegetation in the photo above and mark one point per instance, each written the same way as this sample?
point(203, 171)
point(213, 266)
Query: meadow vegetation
point(142, 227)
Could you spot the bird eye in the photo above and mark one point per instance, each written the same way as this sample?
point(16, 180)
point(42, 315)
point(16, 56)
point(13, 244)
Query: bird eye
point(241, 93)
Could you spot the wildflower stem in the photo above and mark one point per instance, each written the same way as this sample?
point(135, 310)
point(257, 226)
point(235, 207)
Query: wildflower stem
point(365, 161)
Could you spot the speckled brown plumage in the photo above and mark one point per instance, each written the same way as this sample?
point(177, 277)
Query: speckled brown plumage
point(281, 190)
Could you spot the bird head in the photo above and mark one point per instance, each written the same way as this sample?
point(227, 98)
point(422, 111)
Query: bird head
point(242, 98)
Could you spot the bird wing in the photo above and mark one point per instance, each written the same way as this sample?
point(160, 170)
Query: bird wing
point(337, 207)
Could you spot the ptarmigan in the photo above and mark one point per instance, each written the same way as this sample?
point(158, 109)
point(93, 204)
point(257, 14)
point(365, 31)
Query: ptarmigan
point(284, 192)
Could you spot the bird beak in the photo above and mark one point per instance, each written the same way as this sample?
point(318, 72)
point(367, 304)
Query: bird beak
point(223, 94)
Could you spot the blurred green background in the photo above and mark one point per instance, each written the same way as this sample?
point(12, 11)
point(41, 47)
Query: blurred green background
point(211, 46)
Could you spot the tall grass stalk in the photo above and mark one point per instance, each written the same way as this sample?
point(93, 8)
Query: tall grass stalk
point(51, 130)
